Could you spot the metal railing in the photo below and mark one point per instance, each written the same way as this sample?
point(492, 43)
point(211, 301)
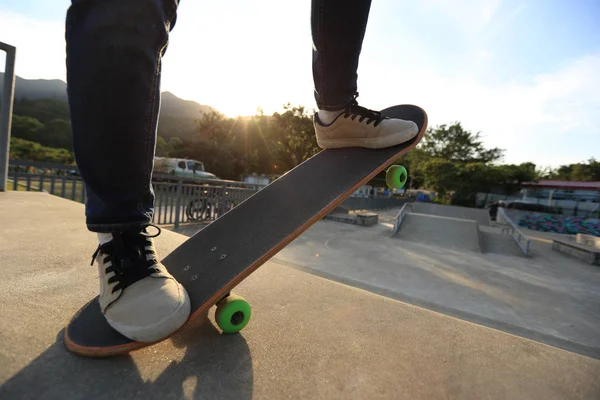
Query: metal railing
point(42, 167)
point(511, 228)
point(177, 200)
point(406, 208)
point(6, 110)
point(66, 186)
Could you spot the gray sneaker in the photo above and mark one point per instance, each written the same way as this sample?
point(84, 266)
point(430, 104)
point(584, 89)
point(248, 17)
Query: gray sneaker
point(138, 296)
point(357, 126)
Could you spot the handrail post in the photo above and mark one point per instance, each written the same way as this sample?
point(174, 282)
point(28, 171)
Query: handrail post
point(6, 111)
point(178, 202)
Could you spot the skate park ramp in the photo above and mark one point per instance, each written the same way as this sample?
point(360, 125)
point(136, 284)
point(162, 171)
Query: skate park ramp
point(453, 233)
point(475, 214)
point(309, 337)
point(456, 228)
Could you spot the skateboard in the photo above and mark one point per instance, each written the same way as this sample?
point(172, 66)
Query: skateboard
point(217, 258)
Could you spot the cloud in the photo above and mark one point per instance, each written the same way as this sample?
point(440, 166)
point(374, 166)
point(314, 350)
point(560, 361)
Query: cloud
point(470, 17)
point(535, 120)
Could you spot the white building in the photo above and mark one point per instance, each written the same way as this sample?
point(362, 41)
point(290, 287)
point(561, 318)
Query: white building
point(562, 190)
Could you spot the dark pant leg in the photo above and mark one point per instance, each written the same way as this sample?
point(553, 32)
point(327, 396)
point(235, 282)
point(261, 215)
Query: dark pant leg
point(338, 29)
point(114, 50)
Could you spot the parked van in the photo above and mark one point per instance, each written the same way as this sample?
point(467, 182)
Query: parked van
point(181, 167)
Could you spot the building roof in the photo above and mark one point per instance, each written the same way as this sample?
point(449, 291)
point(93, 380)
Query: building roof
point(563, 185)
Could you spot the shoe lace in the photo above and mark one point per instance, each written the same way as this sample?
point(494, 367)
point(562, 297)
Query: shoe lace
point(353, 110)
point(128, 257)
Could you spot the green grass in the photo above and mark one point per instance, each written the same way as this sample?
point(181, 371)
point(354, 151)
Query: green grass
point(69, 186)
point(21, 187)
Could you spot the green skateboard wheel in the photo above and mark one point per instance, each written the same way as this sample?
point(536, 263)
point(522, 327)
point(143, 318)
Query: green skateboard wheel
point(233, 314)
point(396, 176)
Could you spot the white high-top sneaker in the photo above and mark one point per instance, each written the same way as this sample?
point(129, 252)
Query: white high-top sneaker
point(138, 296)
point(356, 126)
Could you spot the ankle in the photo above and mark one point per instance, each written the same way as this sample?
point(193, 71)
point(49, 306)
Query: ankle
point(327, 117)
point(104, 238)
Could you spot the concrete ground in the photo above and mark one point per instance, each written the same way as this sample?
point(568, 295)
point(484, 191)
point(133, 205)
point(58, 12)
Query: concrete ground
point(309, 337)
point(547, 297)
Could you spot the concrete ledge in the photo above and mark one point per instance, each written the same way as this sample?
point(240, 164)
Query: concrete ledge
point(364, 219)
point(340, 210)
point(588, 240)
point(589, 254)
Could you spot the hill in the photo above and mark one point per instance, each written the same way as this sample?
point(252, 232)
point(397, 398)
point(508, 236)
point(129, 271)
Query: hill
point(178, 117)
point(36, 89)
point(46, 100)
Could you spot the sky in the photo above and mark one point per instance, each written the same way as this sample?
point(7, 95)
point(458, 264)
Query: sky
point(524, 74)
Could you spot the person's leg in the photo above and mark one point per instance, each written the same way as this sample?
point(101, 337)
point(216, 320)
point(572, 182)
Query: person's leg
point(338, 29)
point(114, 50)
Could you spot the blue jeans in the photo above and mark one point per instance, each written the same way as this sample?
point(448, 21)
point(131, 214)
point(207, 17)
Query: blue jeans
point(114, 52)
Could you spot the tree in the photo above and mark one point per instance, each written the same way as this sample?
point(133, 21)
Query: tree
point(458, 183)
point(414, 163)
point(589, 171)
point(52, 133)
point(510, 177)
point(454, 163)
point(45, 110)
point(57, 133)
point(220, 143)
point(21, 149)
point(161, 147)
point(168, 149)
point(473, 178)
point(292, 136)
point(586, 172)
point(440, 175)
point(455, 144)
point(27, 128)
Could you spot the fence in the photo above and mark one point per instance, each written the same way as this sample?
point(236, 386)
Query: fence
point(585, 207)
point(177, 199)
point(66, 186)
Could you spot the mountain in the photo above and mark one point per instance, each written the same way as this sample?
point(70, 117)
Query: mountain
point(171, 105)
point(38, 88)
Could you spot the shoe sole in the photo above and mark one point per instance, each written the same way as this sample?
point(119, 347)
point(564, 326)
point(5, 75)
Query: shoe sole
point(370, 143)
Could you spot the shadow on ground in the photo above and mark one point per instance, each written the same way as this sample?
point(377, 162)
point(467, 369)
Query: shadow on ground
point(212, 364)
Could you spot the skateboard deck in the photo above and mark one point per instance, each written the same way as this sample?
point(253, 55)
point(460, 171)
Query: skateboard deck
point(217, 258)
